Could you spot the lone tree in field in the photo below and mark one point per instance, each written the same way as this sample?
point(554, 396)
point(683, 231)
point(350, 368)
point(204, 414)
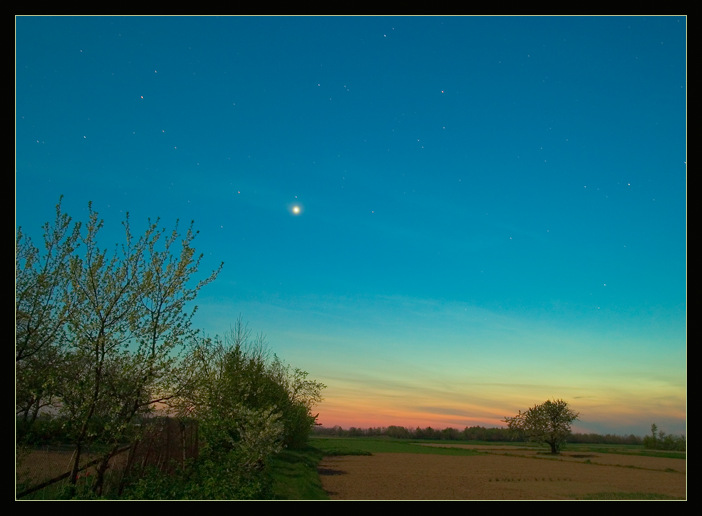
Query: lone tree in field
point(546, 423)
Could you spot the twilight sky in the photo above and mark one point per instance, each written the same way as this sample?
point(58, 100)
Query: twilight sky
point(491, 211)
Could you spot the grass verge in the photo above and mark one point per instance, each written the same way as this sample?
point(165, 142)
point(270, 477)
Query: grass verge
point(295, 476)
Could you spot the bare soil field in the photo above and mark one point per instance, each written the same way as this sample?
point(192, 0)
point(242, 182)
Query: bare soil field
point(40, 466)
point(500, 474)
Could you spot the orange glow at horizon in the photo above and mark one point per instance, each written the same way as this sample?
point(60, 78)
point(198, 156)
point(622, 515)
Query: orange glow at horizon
point(613, 415)
point(331, 416)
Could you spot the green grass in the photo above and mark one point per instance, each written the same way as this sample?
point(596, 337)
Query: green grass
point(295, 477)
point(620, 449)
point(624, 449)
point(368, 446)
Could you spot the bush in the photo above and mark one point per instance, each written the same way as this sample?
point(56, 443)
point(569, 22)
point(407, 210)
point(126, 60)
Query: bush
point(45, 429)
point(662, 441)
point(210, 477)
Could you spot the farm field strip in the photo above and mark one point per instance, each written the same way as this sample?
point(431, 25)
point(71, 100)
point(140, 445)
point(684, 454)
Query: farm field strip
point(607, 459)
point(501, 474)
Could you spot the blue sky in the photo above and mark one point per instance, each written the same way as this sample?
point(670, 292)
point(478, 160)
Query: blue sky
point(492, 210)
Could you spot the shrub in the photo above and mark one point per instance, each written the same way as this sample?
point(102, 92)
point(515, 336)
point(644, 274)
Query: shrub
point(662, 441)
point(210, 477)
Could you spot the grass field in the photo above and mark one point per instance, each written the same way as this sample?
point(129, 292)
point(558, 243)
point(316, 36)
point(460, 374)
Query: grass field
point(369, 445)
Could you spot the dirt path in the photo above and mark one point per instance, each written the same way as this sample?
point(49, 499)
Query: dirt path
point(497, 476)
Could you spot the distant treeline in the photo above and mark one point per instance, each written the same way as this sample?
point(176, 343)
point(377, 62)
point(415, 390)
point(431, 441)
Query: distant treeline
point(473, 433)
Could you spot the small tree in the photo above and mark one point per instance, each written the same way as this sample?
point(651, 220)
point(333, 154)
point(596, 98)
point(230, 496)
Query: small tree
point(300, 395)
point(546, 423)
point(43, 306)
point(130, 320)
point(99, 336)
point(236, 382)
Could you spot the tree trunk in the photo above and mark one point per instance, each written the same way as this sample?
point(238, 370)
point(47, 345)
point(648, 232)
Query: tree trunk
point(76, 463)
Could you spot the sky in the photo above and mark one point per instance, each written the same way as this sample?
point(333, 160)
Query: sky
point(445, 220)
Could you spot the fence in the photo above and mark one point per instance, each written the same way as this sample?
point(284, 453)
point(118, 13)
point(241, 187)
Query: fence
point(165, 443)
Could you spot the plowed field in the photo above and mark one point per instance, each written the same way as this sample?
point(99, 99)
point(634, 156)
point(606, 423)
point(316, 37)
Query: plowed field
point(501, 474)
